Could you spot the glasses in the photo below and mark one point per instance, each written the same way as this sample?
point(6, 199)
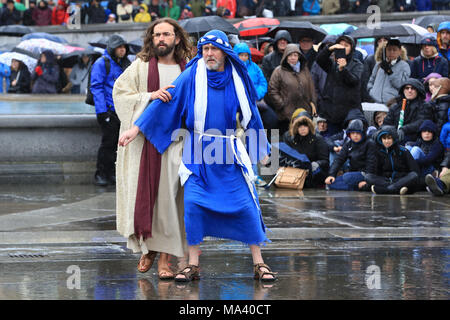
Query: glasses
point(409, 88)
point(163, 34)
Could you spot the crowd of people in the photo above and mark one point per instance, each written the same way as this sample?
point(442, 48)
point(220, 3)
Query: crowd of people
point(57, 12)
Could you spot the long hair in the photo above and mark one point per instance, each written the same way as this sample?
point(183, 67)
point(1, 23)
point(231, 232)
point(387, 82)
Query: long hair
point(183, 50)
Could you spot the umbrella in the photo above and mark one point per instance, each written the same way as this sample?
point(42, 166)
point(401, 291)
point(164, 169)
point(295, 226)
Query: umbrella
point(299, 29)
point(26, 52)
point(44, 35)
point(15, 30)
point(425, 21)
point(257, 55)
point(336, 28)
point(38, 46)
point(68, 60)
point(100, 43)
point(389, 30)
point(416, 40)
point(200, 25)
point(135, 45)
point(7, 57)
point(255, 26)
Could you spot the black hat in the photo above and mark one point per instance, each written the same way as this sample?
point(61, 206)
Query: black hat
point(394, 42)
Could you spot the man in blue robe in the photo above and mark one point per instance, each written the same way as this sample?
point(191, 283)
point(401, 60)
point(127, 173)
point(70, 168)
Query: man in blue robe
point(211, 99)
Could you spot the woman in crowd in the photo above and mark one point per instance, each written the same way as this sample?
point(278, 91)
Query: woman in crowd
point(20, 77)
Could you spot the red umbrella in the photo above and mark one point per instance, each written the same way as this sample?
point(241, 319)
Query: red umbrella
point(257, 55)
point(255, 26)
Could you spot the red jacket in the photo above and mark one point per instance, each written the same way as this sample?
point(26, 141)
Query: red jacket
point(60, 16)
point(230, 5)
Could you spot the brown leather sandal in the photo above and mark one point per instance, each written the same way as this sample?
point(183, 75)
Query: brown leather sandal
point(259, 274)
point(142, 267)
point(166, 277)
point(191, 272)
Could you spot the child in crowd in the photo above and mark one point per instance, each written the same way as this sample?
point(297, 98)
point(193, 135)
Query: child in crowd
point(360, 152)
point(396, 171)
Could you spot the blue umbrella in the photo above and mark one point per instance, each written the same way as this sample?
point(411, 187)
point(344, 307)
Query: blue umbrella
point(44, 35)
point(336, 28)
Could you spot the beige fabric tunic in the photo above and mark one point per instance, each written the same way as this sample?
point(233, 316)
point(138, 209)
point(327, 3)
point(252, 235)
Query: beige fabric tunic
point(130, 100)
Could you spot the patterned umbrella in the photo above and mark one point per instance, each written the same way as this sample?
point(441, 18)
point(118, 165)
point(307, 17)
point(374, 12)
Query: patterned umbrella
point(7, 57)
point(38, 46)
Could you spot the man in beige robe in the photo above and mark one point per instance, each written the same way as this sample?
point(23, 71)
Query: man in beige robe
point(166, 41)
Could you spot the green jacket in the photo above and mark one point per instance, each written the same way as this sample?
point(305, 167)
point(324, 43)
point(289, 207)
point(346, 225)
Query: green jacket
point(173, 12)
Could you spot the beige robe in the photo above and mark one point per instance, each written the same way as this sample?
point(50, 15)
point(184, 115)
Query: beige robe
point(168, 234)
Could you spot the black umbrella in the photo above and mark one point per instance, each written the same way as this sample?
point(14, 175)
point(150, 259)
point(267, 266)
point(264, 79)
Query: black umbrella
point(15, 30)
point(26, 52)
point(416, 39)
point(299, 29)
point(100, 43)
point(135, 45)
point(68, 60)
point(433, 20)
point(200, 25)
point(389, 29)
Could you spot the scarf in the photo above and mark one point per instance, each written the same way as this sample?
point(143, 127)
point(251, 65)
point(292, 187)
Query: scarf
point(149, 169)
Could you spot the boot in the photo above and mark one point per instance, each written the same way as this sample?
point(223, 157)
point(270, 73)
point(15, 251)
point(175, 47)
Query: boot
point(100, 181)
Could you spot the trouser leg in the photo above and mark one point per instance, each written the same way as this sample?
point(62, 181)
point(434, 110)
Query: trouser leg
point(106, 156)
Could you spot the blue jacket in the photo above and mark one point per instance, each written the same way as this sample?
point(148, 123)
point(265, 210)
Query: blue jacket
point(445, 133)
point(5, 72)
point(421, 67)
point(433, 149)
point(254, 71)
point(102, 84)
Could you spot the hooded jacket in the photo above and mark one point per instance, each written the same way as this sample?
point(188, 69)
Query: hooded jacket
point(288, 89)
point(273, 59)
point(255, 72)
point(383, 87)
point(443, 48)
point(23, 78)
point(42, 16)
point(143, 17)
point(342, 90)
point(393, 162)
point(440, 102)
point(416, 111)
point(96, 14)
point(48, 81)
point(60, 16)
point(433, 149)
point(102, 84)
point(423, 66)
point(360, 154)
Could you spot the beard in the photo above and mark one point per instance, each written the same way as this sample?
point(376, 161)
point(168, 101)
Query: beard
point(163, 49)
point(215, 66)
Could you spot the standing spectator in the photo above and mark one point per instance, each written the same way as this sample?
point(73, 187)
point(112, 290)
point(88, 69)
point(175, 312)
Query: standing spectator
point(111, 18)
point(291, 86)
point(423, 5)
point(279, 8)
point(369, 64)
point(311, 7)
point(5, 73)
point(170, 9)
point(198, 7)
point(42, 16)
point(396, 171)
point(143, 16)
point(46, 74)
point(59, 13)
point(102, 84)
point(440, 101)
point(124, 11)
point(390, 72)
point(186, 13)
point(342, 89)
point(345, 6)
point(429, 61)
point(153, 9)
point(28, 14)
point(9, 14)
point(271, 61)
point(415, 111)
point(135, 4)
point(405, 5)
point(386, 6)
point(20, 78)
point(306, 48)
point(330, 7)
point(360, 6)
point(443, 40)
point(112, 7)
point(226, 8)
point(79, 75)
point(96, 13)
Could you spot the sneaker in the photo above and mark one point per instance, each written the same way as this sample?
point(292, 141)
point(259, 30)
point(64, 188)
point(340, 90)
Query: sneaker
point(403, 191)
point(100, 181)
point(380, 190)
point(260, 182)
point(434, 185)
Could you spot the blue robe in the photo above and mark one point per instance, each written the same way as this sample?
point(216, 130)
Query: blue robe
point(217, 199)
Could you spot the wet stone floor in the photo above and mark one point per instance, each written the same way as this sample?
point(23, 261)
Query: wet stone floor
point(59, 242)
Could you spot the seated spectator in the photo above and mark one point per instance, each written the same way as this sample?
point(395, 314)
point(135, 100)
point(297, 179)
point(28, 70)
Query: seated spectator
point(79, 75)
point(111, 18)
point(20, 79)
point(342, 90)
point(42, 16)
point(291, 86)
point(416, 111)
point(112, 7)
point(46, 74)
point(96, 12)
point(405, 5)
point(143, 16)
point(439, 186)
point(427, 151)
point(440, 101)
point(169, 8)
point(60, 16)
point(395, 170)
point(390, 72)
point(322, 127)
point(124, 11)
point(186, 13)
point(360, 152)
point(378, 118)
point(9, 14)
point(28, 14)
point(429, 79)
point(301, 137)
point(428, 61)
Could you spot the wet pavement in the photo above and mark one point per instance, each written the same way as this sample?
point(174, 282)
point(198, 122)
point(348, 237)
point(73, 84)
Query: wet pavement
point(59, 242)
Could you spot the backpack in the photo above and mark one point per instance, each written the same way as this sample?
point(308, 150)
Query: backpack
point(89, 96)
